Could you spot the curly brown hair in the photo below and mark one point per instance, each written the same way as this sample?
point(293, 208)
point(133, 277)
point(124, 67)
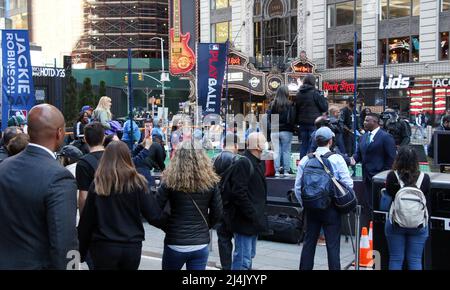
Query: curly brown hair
point(190, 170)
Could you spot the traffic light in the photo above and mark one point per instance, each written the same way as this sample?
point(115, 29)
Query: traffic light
point(126, 79)
point(141, 76)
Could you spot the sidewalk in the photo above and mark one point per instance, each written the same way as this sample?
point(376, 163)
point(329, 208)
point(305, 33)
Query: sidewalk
point(269, 255)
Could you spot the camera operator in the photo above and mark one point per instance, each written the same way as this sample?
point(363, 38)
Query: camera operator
point(324, 121)
point(397, 127)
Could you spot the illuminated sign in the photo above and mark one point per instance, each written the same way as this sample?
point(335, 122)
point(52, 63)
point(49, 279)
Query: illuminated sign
point(342, 87)
point(441, 83)
point(303, 68)
point(395, 83)
point(234, 60)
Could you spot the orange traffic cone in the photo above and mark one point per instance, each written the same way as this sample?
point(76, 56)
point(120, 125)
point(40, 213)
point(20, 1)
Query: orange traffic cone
point(365, 254)
point(371, 236)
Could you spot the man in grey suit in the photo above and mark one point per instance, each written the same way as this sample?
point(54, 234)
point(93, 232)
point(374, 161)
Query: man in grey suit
point(38, 199)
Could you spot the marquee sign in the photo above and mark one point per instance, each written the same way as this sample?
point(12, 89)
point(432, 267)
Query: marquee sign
point(303, 66)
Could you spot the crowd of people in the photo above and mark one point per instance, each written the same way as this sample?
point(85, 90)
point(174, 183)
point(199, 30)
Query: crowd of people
point(105, 177)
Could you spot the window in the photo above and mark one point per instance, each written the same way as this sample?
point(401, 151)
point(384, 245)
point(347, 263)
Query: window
point(400, 50)
point(293, 4)
point(391, 9)
point(384, 9)
point(443, 47)
point(399, 8)
point(221, 32)
point(445, 5)
point(257, 8)
point(342, 55)
point(416, 8)
point(330, 58)
point(358, 12)
point(219, 4)
point(331, 16)
point(344, 13)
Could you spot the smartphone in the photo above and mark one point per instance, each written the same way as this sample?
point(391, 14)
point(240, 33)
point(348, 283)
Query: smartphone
point(148, 129)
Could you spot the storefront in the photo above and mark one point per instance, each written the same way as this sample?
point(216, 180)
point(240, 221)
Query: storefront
point(250, 90)
point(410, 95)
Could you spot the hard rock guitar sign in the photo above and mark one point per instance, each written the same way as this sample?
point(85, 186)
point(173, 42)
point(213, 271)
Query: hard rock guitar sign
point(182, 57)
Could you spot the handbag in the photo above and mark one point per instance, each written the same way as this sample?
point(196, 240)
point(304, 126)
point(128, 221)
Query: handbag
point(195, 204)
point(385, 200)
point(344, 197)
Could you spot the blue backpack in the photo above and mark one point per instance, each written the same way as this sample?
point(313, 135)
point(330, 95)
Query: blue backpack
point(317, 188)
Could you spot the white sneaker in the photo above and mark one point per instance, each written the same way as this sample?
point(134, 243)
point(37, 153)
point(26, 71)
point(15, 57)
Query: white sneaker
point(277, 174)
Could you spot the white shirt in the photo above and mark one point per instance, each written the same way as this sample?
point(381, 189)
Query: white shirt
point(44, 148)
point(338, 165)
point(373, 133)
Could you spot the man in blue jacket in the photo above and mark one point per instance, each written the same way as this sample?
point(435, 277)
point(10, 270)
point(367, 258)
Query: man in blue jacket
point(376, 151)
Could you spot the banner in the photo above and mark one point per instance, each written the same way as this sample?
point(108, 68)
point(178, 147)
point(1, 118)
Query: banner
point(211, 62)
point(17, 80)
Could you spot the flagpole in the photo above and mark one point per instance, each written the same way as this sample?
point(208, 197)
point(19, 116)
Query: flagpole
point(226, 88)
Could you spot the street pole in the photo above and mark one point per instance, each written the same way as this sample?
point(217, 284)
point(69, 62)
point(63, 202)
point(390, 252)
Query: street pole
point(163, 96)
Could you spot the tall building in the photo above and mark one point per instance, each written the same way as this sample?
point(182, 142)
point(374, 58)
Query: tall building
point(2, 8)
point(408, 40)
point(111, 27)
point(19, 13)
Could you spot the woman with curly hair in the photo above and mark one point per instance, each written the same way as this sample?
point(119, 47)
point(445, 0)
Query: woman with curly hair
point(189, 186)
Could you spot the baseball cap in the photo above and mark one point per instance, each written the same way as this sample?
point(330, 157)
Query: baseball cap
point(86, 108)
point(325, 133)
point(72, 152)
point(157, 134)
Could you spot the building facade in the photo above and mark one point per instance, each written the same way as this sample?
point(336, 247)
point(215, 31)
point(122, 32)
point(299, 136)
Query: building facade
point(111, 27)
point(406, 40)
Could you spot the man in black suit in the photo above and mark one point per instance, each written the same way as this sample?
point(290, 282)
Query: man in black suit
point(38, 199)
point(376, 152)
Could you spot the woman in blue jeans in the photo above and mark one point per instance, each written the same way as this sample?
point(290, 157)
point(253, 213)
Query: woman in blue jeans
point(405, 242)
point(189, 187)
point(282, 130)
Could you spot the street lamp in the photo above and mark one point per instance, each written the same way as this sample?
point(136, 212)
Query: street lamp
point(163, 77)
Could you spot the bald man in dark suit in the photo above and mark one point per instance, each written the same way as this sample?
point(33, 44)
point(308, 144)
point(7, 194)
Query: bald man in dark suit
point(38, 200)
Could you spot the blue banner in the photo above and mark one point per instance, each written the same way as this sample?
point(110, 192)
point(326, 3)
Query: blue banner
point(17, 81)
point(211, 63)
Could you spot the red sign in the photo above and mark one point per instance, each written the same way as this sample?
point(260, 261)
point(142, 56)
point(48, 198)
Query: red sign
point(342, 87)
point(303, 68)
point(234, 60)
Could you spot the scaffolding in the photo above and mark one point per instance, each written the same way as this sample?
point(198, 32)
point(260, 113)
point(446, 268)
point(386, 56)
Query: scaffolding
point(111, 27)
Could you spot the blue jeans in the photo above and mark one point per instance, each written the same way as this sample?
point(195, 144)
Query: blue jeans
point(244, 252)
point(330, 221)
point(304, 134)
point(173, 260)
point(405, 242)
point(281, 142)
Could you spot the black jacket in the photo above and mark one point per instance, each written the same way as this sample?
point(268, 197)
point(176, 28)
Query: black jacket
point(283, 119)
point(309, 105)
point(116, 218)
point(38, 207)
point(185, 225)
point(248, 197)
point(3, 153)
